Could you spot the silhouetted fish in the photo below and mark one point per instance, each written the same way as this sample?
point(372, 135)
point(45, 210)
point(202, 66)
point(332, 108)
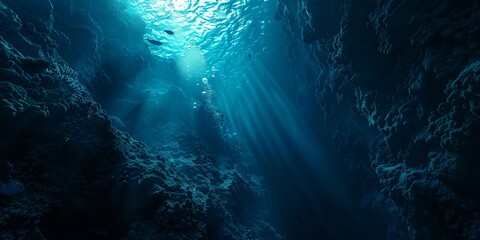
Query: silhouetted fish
point(155, 42)
point(249, 55)
point(169, 32)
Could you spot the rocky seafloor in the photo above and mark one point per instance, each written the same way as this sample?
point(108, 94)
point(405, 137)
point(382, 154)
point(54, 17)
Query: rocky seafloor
point(397, 83)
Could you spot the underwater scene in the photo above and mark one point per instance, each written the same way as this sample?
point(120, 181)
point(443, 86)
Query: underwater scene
point(239, 119)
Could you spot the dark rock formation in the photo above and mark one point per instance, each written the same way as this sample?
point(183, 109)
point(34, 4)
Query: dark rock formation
point(409, 70)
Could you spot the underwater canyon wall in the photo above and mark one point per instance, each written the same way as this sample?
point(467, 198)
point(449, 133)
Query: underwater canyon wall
point(394, 83)
point(398, 83)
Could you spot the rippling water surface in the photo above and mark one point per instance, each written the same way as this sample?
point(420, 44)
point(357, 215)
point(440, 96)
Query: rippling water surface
point(218, 30)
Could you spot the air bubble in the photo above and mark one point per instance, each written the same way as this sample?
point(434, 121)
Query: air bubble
point(204, 80)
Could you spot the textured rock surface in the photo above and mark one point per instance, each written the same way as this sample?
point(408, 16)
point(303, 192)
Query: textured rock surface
point(410, 71)
point(84, 177)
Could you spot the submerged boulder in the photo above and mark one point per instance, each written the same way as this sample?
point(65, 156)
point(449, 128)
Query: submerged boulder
point(11, 188)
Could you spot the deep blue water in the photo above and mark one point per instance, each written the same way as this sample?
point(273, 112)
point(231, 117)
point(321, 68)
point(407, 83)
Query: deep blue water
point(239, 119)
point(232, 61)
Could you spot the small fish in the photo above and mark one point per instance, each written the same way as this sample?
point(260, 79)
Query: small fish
point(155, 42)
point(249, 56)
point(169, 32)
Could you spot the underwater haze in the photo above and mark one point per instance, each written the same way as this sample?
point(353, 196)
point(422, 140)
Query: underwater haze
point(239, 119)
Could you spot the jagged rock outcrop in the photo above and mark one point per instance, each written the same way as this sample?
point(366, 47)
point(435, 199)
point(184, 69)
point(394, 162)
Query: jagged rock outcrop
point(409, 71)
point(83, 177)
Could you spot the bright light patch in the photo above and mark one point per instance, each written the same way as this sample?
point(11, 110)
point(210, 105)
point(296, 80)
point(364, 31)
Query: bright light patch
point(191, 64)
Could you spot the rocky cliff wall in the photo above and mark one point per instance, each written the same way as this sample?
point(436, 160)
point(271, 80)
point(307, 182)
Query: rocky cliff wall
point(409, 70)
